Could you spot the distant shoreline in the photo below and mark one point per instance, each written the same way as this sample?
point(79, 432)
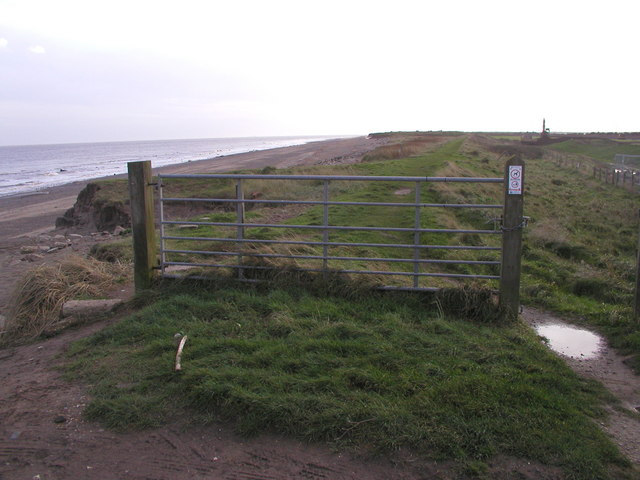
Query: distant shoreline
point(36, 212)
point(38, 168)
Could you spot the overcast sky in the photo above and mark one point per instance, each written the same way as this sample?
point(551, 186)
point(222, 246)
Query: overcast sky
point(84, 70)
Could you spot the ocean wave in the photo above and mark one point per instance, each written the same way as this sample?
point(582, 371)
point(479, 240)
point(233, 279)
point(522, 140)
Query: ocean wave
point(33, 167)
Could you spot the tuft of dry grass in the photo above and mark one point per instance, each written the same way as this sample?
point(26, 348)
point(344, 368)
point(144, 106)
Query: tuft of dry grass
point(38, 297)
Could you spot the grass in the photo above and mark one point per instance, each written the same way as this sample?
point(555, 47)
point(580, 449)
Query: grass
point(37, 300)
point(380, 372)
point(118, 252)
point(377, 372)
point(590, 238)
point(430, 163)
point(406, 146)
point(581, 231)
point(580, 244)
point(602, 150)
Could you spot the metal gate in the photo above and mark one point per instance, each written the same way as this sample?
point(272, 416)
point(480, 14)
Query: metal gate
point(235, 243)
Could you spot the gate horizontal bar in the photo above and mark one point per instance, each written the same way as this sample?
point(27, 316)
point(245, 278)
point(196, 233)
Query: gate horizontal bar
point(321, 257)
point(320, 202)
point(332, 227)
point(331, 244)
point(361, 178)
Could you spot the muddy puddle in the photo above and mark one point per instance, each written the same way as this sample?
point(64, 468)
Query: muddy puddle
point(588, 355)
point(571, 341)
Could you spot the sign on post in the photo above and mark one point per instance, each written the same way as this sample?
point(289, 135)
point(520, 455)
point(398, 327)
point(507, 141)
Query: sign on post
point(515, 180)
point(512, 224)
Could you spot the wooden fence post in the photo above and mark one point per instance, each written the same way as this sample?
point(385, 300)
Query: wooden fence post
point(636, 296)
point(143, 225)
point(512, 224)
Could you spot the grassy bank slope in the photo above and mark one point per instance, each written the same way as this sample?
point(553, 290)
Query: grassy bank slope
point(580, 245)
point(600, 149)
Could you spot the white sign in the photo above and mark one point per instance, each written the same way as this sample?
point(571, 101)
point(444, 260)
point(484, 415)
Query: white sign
point(515, 180)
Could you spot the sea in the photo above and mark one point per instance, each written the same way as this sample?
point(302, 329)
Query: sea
point(28, 169)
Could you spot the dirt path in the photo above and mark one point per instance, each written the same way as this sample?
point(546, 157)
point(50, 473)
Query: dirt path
point(43, 436)
point(608, 368)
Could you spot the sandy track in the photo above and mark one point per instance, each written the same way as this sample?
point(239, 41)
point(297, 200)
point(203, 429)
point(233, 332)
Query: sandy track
point(37, 209)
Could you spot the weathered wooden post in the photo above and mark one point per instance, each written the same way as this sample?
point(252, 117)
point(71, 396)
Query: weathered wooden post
point(143, 225)
point(636, 296)
point(512, 224)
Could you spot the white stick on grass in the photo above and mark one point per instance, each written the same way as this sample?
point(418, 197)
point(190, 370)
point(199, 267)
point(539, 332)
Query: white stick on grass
point(179, 354)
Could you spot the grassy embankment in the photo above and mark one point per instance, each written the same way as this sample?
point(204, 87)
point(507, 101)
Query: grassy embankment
point(382, 371)
point(579, 257)
point(599, 149)
point(580, 244)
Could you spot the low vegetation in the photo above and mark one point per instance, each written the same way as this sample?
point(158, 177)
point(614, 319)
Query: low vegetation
point(374, 371)
point(40, 294)
point(580, 243)
point(437, 162)
point(338, 363)
point(600, 149)
point(116, 252)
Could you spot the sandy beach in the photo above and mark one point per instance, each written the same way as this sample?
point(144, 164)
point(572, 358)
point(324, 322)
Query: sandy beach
point(36, 213)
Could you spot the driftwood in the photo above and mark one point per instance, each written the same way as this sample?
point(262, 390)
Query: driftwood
point(183, 340)
point(88, 308)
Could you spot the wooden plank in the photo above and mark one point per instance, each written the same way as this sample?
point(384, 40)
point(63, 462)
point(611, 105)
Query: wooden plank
point(512, 225)
point(143, 225)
